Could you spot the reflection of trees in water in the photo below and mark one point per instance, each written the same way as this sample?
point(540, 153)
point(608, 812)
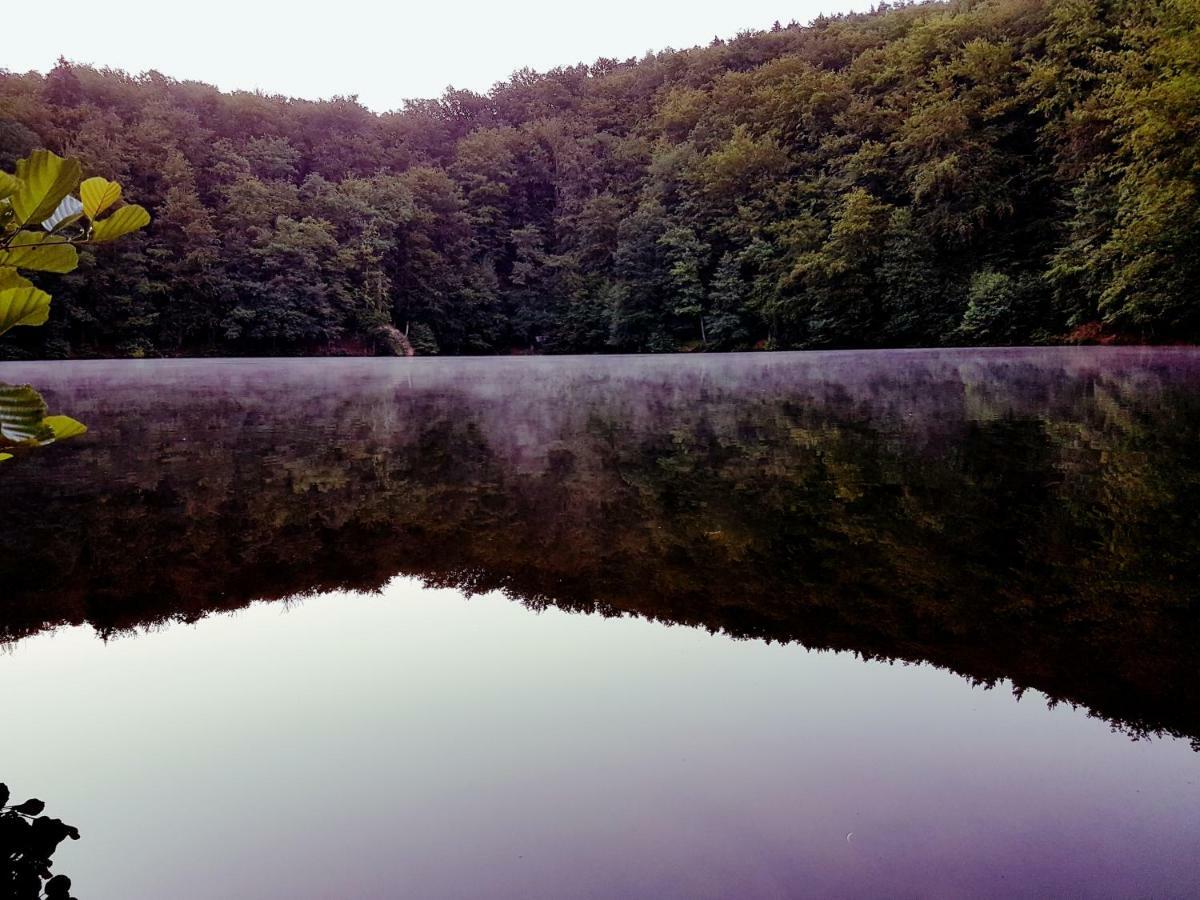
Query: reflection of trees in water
point(1029, 518)
point(28, 841)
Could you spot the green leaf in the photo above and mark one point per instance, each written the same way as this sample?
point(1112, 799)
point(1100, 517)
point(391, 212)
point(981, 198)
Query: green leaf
point(40, 253)
point(9, 185)
point(122, 222)
point(23, 306)
point(64, 427)
point(45, 179)
point(4, 456)
point(98, 194)
point(22, 411)
point(11, 278)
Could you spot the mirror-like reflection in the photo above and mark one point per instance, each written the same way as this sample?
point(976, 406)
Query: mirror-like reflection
point(1023, 515)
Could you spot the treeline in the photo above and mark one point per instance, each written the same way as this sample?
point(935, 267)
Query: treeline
point(971, 172)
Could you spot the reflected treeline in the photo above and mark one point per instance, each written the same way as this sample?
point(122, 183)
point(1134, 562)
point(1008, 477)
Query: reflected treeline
point(1023, 515)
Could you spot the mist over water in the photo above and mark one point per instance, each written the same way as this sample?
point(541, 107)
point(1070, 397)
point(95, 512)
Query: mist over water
point(942, 521)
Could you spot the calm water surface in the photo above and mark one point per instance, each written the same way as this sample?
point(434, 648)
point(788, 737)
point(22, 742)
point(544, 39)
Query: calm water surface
point(895, 624)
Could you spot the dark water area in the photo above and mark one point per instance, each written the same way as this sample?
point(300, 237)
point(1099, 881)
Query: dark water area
point(904, 624)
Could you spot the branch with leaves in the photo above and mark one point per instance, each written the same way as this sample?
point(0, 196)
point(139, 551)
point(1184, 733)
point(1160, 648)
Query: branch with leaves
point(42, 225)
point(28, 840)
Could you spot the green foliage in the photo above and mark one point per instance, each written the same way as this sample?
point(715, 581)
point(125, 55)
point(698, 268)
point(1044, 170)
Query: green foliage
point(97, 195)
point(422, 339)
point(22, 415)
point(998, 308)
point(841, 184)
point(22, 305)
point(41, 226)
point(43, 180)
point(916, 306)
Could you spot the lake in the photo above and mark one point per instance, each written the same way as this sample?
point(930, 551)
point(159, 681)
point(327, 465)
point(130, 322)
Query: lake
point(902, 624)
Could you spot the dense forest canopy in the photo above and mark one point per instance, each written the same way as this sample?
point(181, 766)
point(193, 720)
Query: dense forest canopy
point(970, 172)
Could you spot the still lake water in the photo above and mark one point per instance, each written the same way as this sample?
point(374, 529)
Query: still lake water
point(893, 624)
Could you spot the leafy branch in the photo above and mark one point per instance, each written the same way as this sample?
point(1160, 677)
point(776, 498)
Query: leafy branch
point(27, 842)
point(42, 225)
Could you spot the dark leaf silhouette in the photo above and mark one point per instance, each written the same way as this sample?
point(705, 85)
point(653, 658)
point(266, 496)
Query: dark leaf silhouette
point(58, 888)
point(28, 841)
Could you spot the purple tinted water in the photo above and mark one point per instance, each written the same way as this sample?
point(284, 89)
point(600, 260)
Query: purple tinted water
point(728, 621)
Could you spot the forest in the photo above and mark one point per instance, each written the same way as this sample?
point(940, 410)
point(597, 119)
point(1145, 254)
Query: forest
point(972, 172)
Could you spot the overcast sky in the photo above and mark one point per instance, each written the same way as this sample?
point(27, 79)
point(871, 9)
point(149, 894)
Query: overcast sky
point(382, 51)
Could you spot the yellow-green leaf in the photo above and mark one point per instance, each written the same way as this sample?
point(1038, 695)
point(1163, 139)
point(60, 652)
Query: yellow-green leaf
point(11, 278)
point(22, 414)
point(98, 194)
point(122, 222)
point(4, 456)
point(45, 179)
point(23, 306)
point(40, 252)
point(64, 427)
point(8, 185)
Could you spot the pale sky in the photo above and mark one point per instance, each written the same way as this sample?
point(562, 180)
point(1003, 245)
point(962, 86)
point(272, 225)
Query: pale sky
point(383, 52)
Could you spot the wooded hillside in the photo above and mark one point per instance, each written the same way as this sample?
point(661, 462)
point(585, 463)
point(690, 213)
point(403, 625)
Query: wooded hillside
point(1002, 171)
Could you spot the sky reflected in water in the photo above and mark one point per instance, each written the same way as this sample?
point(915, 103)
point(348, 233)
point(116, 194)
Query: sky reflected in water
point(611, 628)
point(416, 744)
